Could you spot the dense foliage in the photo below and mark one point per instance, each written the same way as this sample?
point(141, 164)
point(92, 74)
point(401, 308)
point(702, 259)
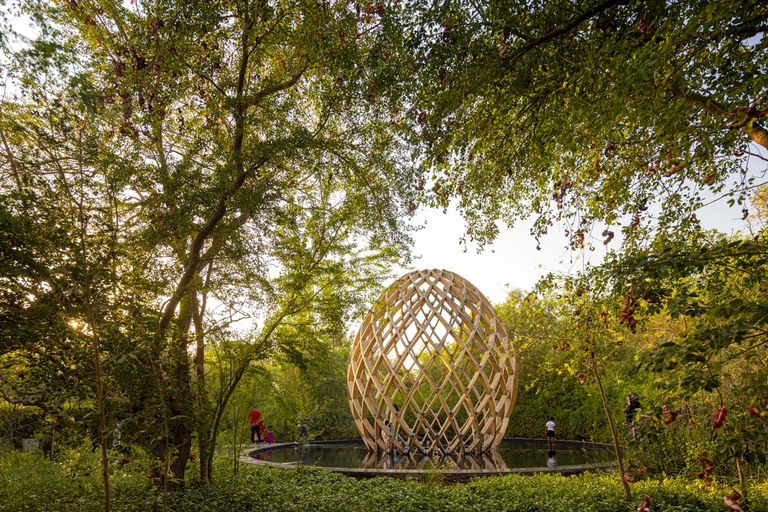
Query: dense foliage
point(184, 185)
point(72, 484)
point(594, 115)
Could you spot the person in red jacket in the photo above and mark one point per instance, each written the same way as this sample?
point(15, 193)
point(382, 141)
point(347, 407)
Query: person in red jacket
point(262, 430)
point(256, 423)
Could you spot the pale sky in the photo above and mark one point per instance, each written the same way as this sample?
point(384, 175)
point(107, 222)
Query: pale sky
point(513, 261)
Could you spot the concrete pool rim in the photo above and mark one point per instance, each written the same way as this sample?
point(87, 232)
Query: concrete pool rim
point(248, 456)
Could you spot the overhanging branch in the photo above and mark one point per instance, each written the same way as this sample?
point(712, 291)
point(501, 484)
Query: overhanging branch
point(589, 13)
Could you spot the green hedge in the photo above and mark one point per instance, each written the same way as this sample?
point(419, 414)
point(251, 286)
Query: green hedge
point(577, 410)
point(31, 483)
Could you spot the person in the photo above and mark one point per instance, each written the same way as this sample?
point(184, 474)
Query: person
point(261, 430)
point(269, 438)
point(633, 404)
point(386, 434)
point(550, 431)
point(303, 425)
point(255, 416)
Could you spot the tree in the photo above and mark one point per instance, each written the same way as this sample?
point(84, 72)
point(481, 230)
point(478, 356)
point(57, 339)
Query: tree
point(759, 201)
point(325, 281)
point(717, 288)
point(592, 338)
point(310, 381)
point(231, 135)
point(600, 112)
point(610, 113)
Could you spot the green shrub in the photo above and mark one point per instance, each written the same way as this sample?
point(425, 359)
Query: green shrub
point(29, 482)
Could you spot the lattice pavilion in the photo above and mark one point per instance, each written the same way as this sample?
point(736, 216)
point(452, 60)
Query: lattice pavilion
point(433, 360)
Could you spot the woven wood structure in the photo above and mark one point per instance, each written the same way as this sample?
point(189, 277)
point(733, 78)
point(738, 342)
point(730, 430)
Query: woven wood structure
point(433, 359)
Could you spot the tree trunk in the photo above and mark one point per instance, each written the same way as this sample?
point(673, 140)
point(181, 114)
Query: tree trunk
point(742, 480)
point(182, 406)
point(101, 404)
point(180, 403)
point(614, 435)
point(235, 437)
point(203, 416)
point(219, 414)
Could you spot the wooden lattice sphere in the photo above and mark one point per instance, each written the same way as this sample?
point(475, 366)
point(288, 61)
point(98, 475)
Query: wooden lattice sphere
point(434, 359)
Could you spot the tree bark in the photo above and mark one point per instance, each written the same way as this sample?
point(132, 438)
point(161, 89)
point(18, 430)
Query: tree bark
point(757, 133)
point(180, 404)
point(203, 420)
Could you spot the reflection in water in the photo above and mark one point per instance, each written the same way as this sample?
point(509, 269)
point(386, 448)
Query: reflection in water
point(267, 456)
point(302, 453)
point(508, 455)
point(551, 458)
point(434, 461)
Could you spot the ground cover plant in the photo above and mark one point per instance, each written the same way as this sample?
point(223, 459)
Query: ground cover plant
point(30, 483)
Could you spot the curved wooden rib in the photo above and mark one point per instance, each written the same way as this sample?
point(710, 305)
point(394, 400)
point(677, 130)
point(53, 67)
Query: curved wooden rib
point(433, 358)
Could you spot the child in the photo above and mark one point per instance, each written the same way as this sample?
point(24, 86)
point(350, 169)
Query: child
point(550, 430)
point(268, 437)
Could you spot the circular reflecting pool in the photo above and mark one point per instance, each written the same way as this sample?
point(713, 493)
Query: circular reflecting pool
point(512, 455)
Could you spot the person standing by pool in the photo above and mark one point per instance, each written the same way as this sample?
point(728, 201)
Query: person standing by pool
point(255, 416)
point(303, 425)
point(269, 438)
point(550, 431)
point(262, 431)
point(633, 405)
point(386, 434)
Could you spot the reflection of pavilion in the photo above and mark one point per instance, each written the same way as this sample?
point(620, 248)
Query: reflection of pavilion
point(452, 461)
point(432, 371)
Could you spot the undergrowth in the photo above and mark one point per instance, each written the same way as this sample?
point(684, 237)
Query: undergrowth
point(29, 482)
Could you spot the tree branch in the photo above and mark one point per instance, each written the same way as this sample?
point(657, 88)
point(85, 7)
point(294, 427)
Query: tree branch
point(15, 168)
point(192, 266)
point(197, 244)
point(589, 13)
point(754, 130)
point(280, 86)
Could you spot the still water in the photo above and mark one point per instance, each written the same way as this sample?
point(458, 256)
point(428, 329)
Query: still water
point(508, 455)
